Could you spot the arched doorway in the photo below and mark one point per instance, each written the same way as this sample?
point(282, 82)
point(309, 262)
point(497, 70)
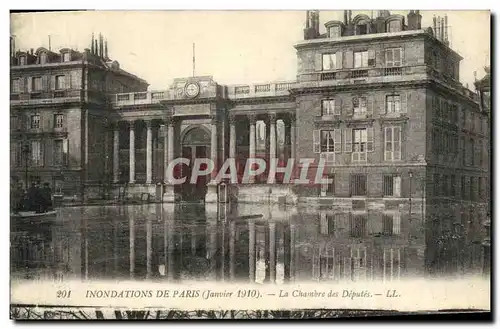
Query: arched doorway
point(195, 144)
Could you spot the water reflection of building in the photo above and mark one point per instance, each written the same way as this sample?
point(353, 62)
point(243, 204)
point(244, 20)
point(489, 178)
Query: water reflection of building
point(179, 243)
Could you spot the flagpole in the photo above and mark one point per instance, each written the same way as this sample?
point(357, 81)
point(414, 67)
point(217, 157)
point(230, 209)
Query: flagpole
point(194, 59)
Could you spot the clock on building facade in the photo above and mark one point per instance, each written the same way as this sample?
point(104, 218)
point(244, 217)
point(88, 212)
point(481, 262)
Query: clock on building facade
point(192, 90)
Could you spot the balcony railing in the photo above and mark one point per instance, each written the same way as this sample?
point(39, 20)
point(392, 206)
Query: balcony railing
point(46, 97)
point(359, 74)
point(392, 71)
point(329, 76)
point(234, 92)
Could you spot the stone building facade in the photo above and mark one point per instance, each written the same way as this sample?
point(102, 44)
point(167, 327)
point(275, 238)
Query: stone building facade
point(379, 99)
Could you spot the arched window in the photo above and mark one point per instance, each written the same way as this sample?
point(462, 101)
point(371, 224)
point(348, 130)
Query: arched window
point(362, 27)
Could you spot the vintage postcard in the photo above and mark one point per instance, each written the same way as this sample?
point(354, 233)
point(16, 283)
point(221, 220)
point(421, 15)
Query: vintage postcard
point(249, 164)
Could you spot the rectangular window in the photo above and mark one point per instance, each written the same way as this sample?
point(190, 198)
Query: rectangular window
point(61, 82)
point(329, 188)
point(58, 152)
point(329, 61)
point(359, 105)
point(359, 138)
point(66, 57)
point(471, 152)
point(14, 122)
point(393, 104)
point(357, 226)
point(472, 192)
point(328, 107)
point(462, 188)
point(391, 224)
point(327, 141)
point(327, 224)
point(22, 60)
point(36, 83)
point(58, 120)
point(36, 153)
point(480, 152)
point(361, 59)
point(392, 143)
point(35, 121)
point(393, 57)
point(358, 185)
point(453, 185)
point(392, 186)
point(15, 154)
point(16, 85)
point(480, 189)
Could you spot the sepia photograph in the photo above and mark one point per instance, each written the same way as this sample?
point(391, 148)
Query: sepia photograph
point(232, 164)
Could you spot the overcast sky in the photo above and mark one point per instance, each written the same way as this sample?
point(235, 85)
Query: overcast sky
point(233, 46)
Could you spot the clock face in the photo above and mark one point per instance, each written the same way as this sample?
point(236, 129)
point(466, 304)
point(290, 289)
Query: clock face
point(192, 90)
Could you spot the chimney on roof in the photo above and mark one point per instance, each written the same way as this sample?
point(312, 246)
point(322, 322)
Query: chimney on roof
point(434, 28)
point(345, 17)
point(101, 46)
point(31, 51)
point(106, 49)
point(446, 29)
point(442, 29)
point(96, 47)
point(350, 17)
point(92, 49)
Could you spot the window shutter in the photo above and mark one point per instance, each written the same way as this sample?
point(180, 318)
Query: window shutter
point(42, 152)
point(348, 140)
point(65, 153)
point(49, 157)
point(67, 81)
point(316, 141)
point(369, 139)
point(338, 141)
point(380, 58)
point(404, 103)
point(28, 84)
point(45, 83)
point(339, 59)
point(389, 58)
point(371, 57)
point(369, 105)
point(318, 62)
point(53, 82)
point(349, 111)
point(402, 52)
point(338, 106)
point(349, 57)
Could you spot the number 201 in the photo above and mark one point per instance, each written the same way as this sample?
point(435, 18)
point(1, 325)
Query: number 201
point(63, 293)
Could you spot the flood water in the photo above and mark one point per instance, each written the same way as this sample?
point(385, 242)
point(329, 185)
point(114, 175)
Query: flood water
point(209, 242)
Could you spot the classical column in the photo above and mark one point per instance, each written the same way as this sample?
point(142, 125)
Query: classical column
point(116, 149)
point(149, 246)
point(232, 251)
point(232, 137)
point(149, 152)
point(292, 136)
point(272, 252)
point(170, 141)
point(132, 243)
point(286, 251)
point(251, 155)
point(251, 250)
point(132, 153)
point(213, 146)
point(165, 152)
point(272, 142)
